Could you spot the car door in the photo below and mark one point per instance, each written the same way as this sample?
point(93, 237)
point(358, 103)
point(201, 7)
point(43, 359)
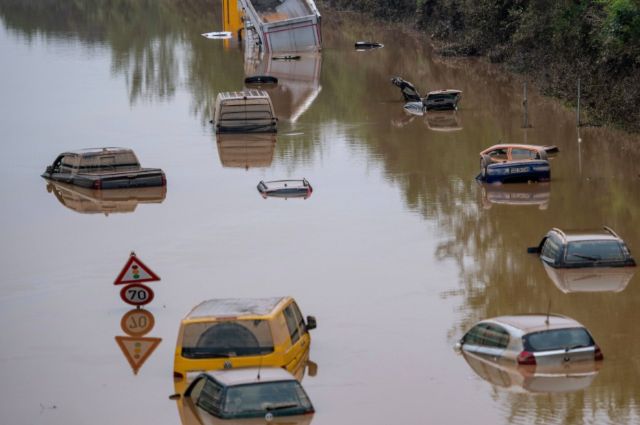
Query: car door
point(298, 351)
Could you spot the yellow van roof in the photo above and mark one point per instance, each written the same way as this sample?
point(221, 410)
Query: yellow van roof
point(235, 307)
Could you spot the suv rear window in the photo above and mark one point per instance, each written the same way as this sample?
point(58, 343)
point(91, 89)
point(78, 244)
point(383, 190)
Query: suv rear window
point(594, 251)
point(287, 397)
point(557, 339)
point(229, 338)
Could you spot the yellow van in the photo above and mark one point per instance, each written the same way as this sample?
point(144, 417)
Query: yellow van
point(235, 332)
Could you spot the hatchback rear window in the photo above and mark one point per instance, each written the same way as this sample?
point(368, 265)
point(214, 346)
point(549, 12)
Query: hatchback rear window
point(594, 251)
point(287, 397)
point(557, 339)
point(232, 338)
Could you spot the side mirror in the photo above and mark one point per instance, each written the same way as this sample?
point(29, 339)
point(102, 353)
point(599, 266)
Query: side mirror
point(312, 368)
point(458, 347)
point(175, 396)
point(311, 323)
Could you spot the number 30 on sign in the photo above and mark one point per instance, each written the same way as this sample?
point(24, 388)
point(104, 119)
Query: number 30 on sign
point(136, 294)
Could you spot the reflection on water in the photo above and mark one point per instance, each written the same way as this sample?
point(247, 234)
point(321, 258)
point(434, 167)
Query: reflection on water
point(567, 378)
point(136, 347)
point(516, 194)
point(89, 201)
point(443, 120)
point(246, 150)
point(298, 81)
point(590, 279)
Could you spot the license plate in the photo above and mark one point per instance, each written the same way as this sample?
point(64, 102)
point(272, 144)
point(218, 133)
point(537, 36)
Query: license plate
point(519, 170)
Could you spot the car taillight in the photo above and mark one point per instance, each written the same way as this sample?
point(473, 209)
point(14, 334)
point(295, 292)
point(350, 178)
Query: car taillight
point(97, 184)
point(526, 358)
point(164, 180)
point(597, 355)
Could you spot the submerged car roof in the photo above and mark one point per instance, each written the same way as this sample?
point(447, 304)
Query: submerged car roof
point(235, 307)
point(514, 145)
point(604, 234)
point(250, 375)
point(445, 91)
point(244, 94)
point(98, 151)
point(537, 322)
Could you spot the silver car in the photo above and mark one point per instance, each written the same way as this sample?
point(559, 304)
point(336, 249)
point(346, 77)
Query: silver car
point(533, 339)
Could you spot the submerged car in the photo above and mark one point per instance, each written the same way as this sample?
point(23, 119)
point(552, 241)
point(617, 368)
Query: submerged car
point(515, 163)
point(248, 111)
point(442, 100)
point(285, 189)
point(541, 340)
point(562, 379)
point(238, 332)
point(265, 392)
point(595, 248)
point(446, 99)
point(103, 168)
point(246, 150)
point(91, 201)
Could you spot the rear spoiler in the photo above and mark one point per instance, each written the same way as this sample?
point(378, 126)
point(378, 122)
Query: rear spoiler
point(533, 250)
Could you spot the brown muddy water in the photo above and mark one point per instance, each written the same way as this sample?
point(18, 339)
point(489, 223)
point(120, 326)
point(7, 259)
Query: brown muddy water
point(397, 252)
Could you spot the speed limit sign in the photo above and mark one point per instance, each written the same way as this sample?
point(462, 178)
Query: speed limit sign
point(136, 294)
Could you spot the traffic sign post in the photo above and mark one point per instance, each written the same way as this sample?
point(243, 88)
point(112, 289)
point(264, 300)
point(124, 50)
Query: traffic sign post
point(136, 294)
point(137, 349)
point(137, 322)
point(135, 271)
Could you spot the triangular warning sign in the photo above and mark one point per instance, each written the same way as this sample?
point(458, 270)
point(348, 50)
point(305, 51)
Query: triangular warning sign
point(135, 271)
point(137, 349)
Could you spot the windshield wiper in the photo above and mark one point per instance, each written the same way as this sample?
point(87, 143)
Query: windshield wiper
point(586, 257)
point(281, 406)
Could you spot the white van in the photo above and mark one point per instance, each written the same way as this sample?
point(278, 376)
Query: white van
point(249, 111)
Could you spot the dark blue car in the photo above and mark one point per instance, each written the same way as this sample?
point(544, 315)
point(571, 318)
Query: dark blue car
point(512, 163)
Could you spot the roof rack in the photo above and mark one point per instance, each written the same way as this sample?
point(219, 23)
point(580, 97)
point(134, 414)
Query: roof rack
point(610, 230)
point(561, 232)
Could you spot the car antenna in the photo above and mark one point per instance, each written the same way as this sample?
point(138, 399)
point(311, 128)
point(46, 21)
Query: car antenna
point(546, 321)
point(259, 367)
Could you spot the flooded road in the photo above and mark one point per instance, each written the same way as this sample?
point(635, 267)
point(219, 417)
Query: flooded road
point(397, 253)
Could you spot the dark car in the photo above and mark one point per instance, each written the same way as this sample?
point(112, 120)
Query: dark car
point(103, 168)
point(569, 249)
point(247, 393)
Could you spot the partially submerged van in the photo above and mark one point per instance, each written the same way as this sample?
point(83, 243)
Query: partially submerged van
point(249, 111)
point(243, 332)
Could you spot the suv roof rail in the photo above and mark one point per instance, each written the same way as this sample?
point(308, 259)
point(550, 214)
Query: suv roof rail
point(555, 229)
point(610, 230)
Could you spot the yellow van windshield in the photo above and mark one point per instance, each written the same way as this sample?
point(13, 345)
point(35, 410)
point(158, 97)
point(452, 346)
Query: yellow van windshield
point(229, 338)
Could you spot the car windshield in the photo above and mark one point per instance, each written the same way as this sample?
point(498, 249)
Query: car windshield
point(229, 338)
point(594, 251)
point(446, 96)
point(557, 339)
point(285, 397)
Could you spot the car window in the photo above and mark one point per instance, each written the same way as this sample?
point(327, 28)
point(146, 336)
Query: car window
point(495, 336)
point(475, 335)
point(287, 397)
point(557, 339)
point(292, 324)
point(550, 249)
point(210, 397)
point(229, 338)
point(498, 154)
point(582, 251)
point(520, 154)
point(299, 319)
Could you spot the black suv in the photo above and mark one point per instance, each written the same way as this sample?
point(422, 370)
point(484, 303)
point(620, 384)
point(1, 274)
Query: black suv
point(599, 248)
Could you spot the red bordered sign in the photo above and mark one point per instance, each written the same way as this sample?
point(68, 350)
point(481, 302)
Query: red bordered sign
point(136, 294)
point(135, 271)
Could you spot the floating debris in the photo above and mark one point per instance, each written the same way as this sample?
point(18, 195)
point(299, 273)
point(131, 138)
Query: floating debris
point(218, 35)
